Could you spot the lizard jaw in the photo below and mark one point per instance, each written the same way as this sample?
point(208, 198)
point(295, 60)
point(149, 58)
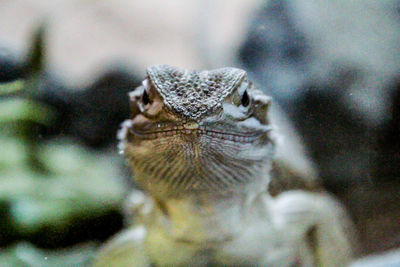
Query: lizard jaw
point(200, 131)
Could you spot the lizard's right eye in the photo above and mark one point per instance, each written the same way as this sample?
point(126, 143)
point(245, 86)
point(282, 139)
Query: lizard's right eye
point(145, 98)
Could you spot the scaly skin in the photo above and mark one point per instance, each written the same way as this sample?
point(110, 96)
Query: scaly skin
point(201, 147)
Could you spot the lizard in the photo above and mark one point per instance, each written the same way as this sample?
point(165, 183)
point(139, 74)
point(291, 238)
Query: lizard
point(201, 147)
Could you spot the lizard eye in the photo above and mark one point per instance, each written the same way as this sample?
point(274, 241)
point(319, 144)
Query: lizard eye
point(145, 98)
point(245, 99)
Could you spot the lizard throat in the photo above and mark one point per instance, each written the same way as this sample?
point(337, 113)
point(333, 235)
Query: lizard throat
point(178, 167)
point(173, 162)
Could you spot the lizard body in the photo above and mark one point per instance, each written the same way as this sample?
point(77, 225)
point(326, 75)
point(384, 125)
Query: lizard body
point(201, 147)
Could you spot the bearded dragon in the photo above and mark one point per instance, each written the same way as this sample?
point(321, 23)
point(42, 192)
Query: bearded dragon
point(201, 147)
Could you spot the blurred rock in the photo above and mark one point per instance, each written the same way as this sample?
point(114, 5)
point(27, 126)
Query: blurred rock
point(332, 65)
point(388, 259)
point(92, 115)
point(294, 43)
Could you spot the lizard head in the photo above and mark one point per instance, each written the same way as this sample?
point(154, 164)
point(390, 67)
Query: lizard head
point(199, 132)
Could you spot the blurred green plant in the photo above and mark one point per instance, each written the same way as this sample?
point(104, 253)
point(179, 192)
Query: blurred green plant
point(11, 87)
point(17, 109)
point(24, 254)
point(47, 187)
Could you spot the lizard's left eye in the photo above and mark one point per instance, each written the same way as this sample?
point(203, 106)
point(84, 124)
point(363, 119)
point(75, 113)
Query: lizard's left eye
point(245, 99)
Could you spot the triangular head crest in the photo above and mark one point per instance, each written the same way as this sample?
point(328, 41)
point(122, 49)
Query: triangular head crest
point(192, 94)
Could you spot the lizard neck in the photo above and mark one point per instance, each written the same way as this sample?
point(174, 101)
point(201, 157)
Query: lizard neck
point(205, 218)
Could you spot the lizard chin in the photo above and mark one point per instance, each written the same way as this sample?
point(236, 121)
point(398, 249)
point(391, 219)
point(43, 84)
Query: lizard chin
point(179, 162)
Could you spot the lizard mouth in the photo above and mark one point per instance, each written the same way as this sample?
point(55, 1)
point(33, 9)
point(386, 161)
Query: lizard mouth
point(198, 132)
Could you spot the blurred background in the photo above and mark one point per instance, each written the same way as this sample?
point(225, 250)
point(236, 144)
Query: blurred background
point(66, 67)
